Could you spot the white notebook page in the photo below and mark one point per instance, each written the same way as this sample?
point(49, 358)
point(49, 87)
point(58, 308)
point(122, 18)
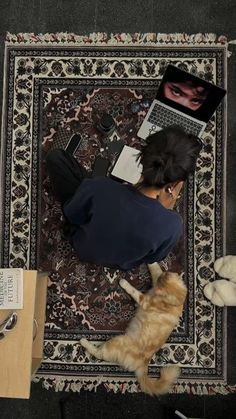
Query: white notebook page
point(126, 166)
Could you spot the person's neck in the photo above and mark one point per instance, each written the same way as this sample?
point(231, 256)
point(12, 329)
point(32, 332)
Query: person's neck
point(150, 192)
point(159, 194)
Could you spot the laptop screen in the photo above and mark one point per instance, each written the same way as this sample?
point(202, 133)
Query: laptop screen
point(189, 94)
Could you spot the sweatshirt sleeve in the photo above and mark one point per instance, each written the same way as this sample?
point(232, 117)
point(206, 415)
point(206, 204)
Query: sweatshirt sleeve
point(78, 210)
point(168, 244)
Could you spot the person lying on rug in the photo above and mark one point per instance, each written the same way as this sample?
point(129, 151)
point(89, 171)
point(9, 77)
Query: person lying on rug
point(120, 225)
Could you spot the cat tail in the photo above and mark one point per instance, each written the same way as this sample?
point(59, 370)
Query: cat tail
point(161, 386)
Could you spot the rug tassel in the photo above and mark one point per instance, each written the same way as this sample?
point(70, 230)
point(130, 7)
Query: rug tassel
point(91, 384)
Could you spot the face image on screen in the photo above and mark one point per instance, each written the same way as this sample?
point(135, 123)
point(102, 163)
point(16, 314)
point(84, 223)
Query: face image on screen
point(185, 93)
point(189, 93)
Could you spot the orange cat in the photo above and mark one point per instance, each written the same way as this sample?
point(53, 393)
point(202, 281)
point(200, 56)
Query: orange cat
point(157, 315)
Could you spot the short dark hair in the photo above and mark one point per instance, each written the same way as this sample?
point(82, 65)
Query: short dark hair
point(169, 155)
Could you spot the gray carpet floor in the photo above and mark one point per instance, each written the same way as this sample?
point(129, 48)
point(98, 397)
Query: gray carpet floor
point(82, 17)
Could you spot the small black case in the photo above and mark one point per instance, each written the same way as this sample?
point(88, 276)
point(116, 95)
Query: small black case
point(100, 167)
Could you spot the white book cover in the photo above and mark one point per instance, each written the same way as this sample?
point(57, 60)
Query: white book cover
point(11, 288)
point(127, 167)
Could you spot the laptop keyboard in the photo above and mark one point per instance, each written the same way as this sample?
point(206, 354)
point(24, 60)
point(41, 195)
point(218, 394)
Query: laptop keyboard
point(164, 117)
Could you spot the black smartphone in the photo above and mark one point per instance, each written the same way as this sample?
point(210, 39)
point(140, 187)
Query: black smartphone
point(73, 144)
point(100, 167)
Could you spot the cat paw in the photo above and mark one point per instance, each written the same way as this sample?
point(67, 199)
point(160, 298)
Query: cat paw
point(123, 283)
point(83, 342)
point(155, 270)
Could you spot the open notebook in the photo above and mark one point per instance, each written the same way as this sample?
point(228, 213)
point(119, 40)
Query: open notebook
point(127, 166)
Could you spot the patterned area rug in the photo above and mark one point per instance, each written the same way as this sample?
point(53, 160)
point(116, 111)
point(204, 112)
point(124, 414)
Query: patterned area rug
point(57, 85)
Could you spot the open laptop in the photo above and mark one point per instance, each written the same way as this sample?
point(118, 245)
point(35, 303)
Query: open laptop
point(182, 99)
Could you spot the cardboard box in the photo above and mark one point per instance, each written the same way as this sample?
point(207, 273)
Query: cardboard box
point(21, 350)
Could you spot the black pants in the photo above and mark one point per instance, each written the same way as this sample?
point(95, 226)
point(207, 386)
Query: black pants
point(65, 173)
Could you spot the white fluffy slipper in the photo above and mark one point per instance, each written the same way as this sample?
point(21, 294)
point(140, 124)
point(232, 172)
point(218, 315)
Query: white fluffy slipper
point(226, 267)
point(221, 293)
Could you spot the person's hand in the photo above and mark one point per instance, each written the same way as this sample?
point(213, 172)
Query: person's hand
point(168, 197)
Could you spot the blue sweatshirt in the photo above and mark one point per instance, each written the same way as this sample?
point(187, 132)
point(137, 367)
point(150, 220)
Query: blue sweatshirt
point(117, 226)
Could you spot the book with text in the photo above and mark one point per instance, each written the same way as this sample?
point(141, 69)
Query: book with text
point(11, 288)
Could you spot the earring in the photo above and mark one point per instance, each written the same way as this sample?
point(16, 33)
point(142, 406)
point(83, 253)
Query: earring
point(170, 192)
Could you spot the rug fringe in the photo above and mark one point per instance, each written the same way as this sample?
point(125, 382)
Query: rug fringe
point(75, 385)
point(122, 39)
